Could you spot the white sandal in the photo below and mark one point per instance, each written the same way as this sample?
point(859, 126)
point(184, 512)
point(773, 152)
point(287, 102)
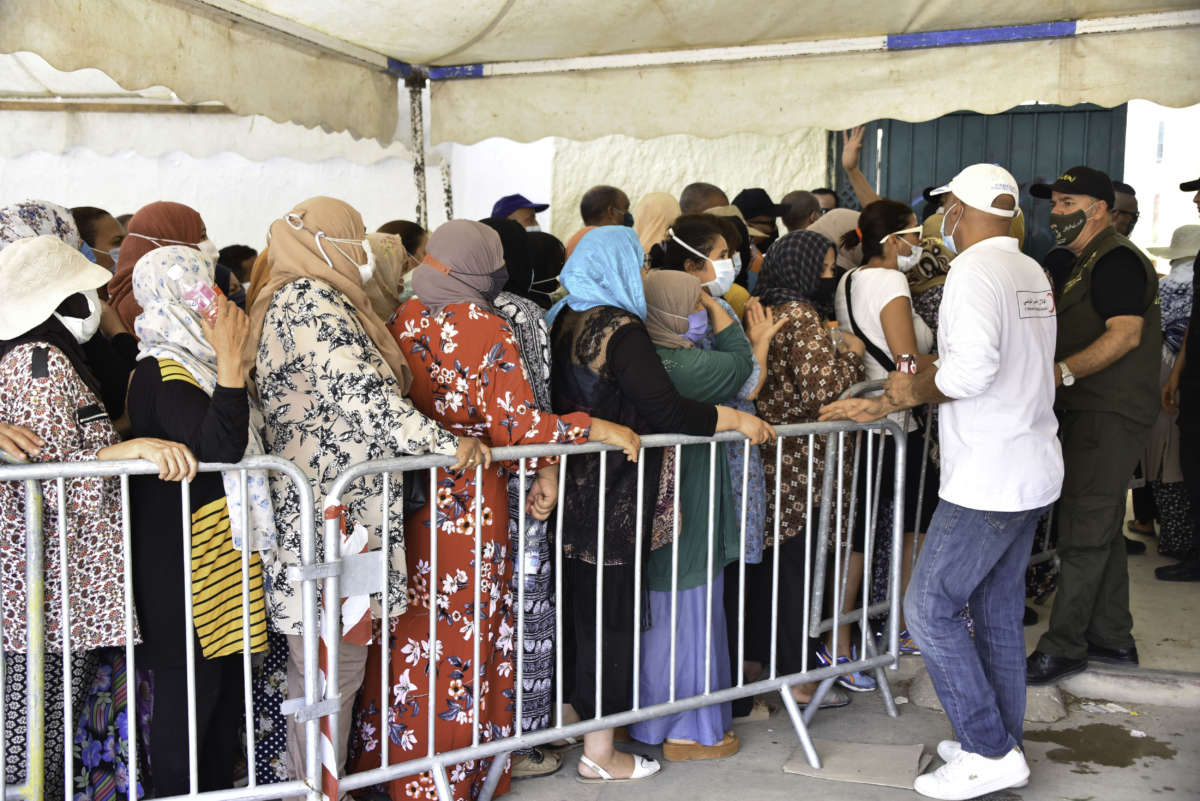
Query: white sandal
point(643, 768)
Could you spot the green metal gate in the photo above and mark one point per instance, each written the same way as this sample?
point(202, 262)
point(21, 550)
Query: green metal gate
point(1034, 142)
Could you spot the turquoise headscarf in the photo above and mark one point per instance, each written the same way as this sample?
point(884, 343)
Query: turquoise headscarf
point(604, 270)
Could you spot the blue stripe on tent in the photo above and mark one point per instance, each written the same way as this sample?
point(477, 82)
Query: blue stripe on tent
point(457, 71)
point(397, 67)
point(967, 36)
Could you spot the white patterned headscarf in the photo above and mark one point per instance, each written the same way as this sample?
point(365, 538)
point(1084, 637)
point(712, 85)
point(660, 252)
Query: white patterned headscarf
point(167, 328)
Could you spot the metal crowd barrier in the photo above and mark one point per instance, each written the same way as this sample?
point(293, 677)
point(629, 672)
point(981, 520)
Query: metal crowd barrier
point(367, 574)
point(36, 757)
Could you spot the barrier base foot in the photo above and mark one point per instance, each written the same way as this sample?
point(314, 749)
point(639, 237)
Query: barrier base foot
point(493, 776)
point(801, 725)
point(881, 680)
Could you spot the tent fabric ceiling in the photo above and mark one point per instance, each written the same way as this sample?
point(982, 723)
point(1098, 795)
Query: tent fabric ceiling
point(481, 31)
point(831, 91)
point(203, 51)
point(202, 57)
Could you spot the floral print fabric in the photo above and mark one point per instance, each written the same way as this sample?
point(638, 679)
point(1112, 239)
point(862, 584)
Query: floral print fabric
point(329, 403)
point(53, 401)
point(467, 372)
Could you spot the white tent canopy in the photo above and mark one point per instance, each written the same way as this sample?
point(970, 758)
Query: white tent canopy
point(524, 69)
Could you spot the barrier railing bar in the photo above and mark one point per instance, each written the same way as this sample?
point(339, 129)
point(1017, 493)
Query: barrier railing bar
point(523, 546)
point(775, 558)
point(558, 594)
point(65, 598)
point(385, 615)
point(675, 521)
point(434, 580)
point(130, 665)
point(741, 643)
point(708, 595)
point(247, 674)
point(479, 601)
point(600, 591)
point(637, 572)
point(189, 628)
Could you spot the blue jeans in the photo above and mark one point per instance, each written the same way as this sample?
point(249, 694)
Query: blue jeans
point(980, 558)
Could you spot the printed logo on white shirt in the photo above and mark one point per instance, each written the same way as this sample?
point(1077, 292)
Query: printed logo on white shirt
point(1035, 304)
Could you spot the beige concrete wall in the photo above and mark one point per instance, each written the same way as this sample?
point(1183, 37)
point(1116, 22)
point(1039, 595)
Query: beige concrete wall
point(669, 163)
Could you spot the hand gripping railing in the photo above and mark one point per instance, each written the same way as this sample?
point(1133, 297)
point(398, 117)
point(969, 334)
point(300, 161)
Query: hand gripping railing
point(36, 758)
point(367, 573)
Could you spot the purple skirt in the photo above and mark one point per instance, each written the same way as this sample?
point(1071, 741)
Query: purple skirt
point(707, 725)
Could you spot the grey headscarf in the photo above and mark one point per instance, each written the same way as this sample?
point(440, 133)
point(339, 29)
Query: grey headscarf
point(464, 263)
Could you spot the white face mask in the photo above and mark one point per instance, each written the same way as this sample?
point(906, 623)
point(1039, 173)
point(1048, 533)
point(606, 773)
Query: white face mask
point(724, 268)
point(533, 229)
point(84, 328)
point(365, 271)
point(906, 263)
point(737, 261)
point(205, 246)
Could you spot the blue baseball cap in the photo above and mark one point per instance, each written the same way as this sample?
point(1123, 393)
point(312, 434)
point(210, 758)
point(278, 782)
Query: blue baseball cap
point(510, 203)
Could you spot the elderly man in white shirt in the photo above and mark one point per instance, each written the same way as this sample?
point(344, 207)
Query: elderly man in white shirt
point(1001, 467)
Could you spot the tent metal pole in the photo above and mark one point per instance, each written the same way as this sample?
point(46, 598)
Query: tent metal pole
point(447, 188)
point(416, 85)
point(235, 11)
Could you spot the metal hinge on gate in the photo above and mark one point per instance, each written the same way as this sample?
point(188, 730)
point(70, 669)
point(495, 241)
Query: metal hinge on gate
point(360, 573)
point(296, 706)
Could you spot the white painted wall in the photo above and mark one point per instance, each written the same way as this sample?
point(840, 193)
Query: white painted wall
point(1156, 177)
point(237, 198)
point(485, 172)
point(669, 163)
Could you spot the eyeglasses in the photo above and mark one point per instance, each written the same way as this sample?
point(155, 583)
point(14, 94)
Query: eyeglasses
point(918, 229)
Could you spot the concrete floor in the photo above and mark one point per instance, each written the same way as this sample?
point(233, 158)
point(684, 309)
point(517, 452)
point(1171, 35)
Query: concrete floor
point(1087, 756)
point(1166, 615)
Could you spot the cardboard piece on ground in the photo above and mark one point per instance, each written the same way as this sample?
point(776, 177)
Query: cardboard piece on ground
point(863, 763)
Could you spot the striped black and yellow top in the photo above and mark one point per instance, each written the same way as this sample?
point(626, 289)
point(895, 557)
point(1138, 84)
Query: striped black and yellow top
point(166, 402)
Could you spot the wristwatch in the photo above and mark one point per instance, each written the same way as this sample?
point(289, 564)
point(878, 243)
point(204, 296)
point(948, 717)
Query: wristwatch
point(1068, 378)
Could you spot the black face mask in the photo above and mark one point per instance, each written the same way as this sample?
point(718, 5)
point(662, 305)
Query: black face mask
point(826, 287)
point(627, 221)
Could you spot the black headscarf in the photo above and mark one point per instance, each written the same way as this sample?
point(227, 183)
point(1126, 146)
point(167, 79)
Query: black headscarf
point(792, 271)
point(547, 257)
point(515, 241)
point(53, 332)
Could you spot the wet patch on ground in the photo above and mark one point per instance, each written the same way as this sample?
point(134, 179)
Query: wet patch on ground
point(1103, 744)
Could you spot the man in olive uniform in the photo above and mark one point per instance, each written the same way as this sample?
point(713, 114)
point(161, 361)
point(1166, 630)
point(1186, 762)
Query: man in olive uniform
point(1108, 354)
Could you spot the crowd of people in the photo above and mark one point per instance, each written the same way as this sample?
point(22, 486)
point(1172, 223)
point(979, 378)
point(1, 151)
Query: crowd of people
point(138, 338)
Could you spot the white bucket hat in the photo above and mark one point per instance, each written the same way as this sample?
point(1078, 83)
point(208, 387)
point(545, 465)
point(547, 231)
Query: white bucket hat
point(1185, 243)
point(37, 274)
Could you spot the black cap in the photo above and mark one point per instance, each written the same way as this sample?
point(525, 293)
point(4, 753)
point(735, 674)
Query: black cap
point(756, 202)
point(1188, 186)
point(1079, 181)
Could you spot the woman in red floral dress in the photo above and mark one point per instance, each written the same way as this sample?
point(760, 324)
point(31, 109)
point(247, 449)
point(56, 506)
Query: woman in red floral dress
point(467, 375)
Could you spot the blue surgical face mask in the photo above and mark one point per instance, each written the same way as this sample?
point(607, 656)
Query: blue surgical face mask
point(948, 236)
point(697, 326)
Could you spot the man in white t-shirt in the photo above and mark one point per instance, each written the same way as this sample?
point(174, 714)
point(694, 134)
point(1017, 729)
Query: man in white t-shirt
point(1001, 468)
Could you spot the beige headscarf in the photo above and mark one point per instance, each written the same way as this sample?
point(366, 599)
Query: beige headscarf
point(654, 214)
point(391, 263)
point(671, 296)
point(834, 224)
point(294, 254)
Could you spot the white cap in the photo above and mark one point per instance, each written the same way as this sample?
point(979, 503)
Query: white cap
point(980, 184)
point(37, 274)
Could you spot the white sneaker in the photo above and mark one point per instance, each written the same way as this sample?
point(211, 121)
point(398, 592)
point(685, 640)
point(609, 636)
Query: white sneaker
point(971, 775)
point(949, 749)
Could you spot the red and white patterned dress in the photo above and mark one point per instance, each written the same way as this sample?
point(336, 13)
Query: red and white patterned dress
point(467, 375)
